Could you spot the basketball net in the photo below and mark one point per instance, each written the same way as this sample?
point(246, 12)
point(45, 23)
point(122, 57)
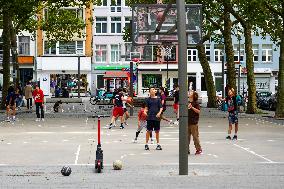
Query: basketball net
point(166, 50)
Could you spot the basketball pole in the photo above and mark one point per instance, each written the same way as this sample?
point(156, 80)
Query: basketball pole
point(182, 77)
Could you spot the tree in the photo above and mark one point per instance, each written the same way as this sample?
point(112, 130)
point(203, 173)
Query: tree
point(270, 18)
point(60, 25)
point(241, 11)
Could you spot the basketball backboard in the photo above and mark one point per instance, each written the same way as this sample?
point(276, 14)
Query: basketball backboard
point(154, 24)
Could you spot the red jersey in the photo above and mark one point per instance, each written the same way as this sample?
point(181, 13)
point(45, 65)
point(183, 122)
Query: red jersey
point(38, 95)
point(141, 115)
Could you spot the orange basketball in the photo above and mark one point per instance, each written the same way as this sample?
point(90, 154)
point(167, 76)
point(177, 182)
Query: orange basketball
point(129, 100)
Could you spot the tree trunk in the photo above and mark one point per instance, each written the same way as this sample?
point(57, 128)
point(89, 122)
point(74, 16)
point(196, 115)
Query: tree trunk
point(231, 73)
point(251, 108)
point(280, 95)
point(6, 57)
point(211, 90)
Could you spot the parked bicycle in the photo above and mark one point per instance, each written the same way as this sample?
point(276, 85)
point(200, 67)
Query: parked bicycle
point(101, 98)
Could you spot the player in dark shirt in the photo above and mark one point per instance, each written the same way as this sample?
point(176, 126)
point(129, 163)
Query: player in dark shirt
point(164, 105)
point(193, 119)
point(118, 109)
point(153, 110)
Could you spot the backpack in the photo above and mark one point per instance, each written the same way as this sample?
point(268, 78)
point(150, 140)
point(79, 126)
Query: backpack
point(239, 100)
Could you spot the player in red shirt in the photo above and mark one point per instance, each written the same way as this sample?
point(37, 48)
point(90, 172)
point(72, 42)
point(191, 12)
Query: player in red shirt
point(39, 102)
point(142, 121)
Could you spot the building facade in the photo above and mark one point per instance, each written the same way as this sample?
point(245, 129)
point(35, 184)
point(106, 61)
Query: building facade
point(109, 71)
point(26, 52)
point(58, 64)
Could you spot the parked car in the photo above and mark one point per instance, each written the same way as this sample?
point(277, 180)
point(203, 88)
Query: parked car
point(268, 103)
point(262, 99)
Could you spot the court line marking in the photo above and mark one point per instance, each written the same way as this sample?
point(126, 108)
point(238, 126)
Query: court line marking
point(77, 154)
point(253, 153)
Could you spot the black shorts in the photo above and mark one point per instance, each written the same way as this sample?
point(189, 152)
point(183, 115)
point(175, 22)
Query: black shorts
point(153, 125)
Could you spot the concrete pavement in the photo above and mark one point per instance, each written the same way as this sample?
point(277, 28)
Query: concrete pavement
point(32, 154)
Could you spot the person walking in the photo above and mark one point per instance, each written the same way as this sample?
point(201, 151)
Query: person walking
point(176, 104)
point(19, 98)
point(142, 122)
point(39, 102)
point(11, 104)
point(29, 95)
point(193, 119)
point(153, 110)
point(232, 113)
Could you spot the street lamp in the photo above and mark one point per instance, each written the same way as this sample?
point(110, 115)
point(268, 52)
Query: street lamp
point(79, 53)
point(239, 71)
point(14, 57)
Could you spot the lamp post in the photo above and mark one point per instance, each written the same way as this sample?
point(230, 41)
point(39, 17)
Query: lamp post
point(79, 53)
point(239, 71)
point(14, 57)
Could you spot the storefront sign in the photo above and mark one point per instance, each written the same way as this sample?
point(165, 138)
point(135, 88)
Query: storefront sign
point(118, 67)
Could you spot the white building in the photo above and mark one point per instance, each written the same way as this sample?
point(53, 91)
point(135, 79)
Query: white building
point(108, 70)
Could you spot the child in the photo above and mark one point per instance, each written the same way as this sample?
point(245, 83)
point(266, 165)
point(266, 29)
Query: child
point(142, 122)
point(193, 118)
point(11, 104)
point(233, 113)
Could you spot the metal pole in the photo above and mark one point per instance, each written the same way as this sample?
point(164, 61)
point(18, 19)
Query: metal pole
point(79, 76)
point(136, 78)
point(131, 85)
point(182, 76)
point(14, 66)
point(167, 72)
point(223, 73)
point(239, 72)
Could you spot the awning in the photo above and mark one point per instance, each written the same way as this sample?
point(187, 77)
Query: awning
point(110, 75)
point(25, 59)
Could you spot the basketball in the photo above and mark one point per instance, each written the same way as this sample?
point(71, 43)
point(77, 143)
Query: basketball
point(117, 165)
point(160, 16)
point(129, 100)
point(66, 170)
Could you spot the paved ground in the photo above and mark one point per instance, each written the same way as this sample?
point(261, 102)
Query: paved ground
point(32, 154)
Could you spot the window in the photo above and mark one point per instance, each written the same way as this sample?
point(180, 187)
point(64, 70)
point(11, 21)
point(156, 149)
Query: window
point(101, 53)
point(24, 45)
point(115, 53)
point(237, 51)
point(255, 52)
point(115, 6)
point(207, 51)
point(191, 81)
point(78, 13)
point(49, 49)
point(127, 22)
point(154, 80)
point(104, 3)
point(115, 25)
point(218, 54)
point(218, 81)
point(100, 81)
point(67, 47)
point(266, 53)
point(191, 55)
point(203, 83)
point(101, 24)
point(79, 47)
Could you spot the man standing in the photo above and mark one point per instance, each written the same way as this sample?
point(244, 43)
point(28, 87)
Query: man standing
point(154, 110)
point(29, 95)
point(39, 102)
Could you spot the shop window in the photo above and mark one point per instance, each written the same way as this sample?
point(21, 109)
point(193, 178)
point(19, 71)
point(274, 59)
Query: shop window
point(153, 80)
point(100, 81)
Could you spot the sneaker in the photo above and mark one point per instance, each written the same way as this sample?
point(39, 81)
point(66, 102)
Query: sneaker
point(121, 127)
point(176, 122)
point(235, 137)
point(135, 140)
point(198, 152)
point(228, 137)
point(109, 126)
point(37, 119)
point(158, 147)
point(14, 119)
point(171, 122)
point(8, 120)
point(42, 119)
point(146, 147)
